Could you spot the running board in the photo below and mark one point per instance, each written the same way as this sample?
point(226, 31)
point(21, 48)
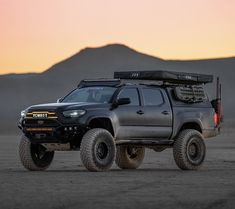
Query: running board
point(146, 142)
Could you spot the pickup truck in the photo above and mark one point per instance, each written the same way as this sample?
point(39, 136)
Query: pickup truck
point(115, 119)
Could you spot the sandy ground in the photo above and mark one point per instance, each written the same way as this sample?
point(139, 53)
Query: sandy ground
point(157, 184)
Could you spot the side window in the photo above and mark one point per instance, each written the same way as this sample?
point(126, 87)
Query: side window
point(132, 94)
point(152, 97)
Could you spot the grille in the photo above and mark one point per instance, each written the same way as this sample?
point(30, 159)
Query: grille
point(41, 115)
point(40, 122)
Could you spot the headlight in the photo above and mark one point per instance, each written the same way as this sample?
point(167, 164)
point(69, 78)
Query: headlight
point(23, 113)
point(74, 113)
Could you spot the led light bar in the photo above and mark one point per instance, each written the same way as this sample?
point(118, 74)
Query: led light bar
point(100, 82)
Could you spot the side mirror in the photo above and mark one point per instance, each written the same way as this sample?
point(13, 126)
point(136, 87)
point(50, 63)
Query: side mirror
point(59, 100)
point(122, 101)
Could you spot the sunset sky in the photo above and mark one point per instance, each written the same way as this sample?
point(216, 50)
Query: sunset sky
point(35, 34)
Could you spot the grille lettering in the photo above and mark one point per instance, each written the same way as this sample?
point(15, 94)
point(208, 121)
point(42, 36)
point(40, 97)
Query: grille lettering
point(40, 115)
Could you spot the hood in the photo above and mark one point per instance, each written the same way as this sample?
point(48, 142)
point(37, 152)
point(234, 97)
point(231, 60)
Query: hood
point(65, 106)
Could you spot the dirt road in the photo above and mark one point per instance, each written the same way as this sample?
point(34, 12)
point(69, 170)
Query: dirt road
point(157, 184)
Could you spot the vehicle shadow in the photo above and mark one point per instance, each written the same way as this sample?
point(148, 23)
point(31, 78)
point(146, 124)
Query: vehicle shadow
point(115, 170)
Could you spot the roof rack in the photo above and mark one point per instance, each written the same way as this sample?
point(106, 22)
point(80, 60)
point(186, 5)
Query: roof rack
point(166, 76)
point(100, 82)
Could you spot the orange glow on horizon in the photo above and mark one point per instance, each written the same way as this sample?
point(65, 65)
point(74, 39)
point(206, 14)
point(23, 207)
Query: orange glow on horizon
point(37, 34)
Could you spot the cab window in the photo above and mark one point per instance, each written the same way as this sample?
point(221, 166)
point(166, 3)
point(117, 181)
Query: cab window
point(152, 97)
point(131, 93)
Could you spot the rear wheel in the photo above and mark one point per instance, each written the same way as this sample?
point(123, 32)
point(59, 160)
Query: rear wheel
point(129, 157)
point(34, 157)
point(189, 150)
point(98, 150)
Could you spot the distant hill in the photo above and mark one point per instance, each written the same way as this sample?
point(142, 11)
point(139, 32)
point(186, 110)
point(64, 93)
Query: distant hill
point(19, 91)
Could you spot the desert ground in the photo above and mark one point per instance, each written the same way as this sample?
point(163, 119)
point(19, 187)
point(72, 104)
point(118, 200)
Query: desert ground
point(158, 183)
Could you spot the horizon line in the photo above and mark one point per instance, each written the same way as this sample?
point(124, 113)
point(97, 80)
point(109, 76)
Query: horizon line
point(24, 72)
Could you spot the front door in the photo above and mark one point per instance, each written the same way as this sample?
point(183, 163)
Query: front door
point(129, 117)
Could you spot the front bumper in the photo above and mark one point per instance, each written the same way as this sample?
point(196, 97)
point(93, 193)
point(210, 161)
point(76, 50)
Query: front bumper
point(50, 130)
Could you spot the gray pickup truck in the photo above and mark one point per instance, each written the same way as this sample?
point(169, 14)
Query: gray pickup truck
point(116, 119)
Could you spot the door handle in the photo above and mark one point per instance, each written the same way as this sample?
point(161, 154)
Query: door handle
point(140, 112)
point(165, 112)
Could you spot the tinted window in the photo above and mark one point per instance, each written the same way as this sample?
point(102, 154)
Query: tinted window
point(132, 94)
point(97, 94)
point(152, 97)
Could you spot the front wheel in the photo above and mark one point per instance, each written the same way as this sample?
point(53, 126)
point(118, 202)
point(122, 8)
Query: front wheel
point(34, 157)
point(98, 150)
point(189, 150)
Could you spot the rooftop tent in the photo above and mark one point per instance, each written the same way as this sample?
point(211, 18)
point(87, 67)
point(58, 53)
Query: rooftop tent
point(166, 76)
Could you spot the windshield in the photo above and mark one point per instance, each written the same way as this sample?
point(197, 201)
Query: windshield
point(91, 94)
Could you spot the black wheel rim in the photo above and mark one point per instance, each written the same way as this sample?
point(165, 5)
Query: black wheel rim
point(38, 151)
point(102, 151)
point(132, 152)
point(195, 151)
point(40, 155)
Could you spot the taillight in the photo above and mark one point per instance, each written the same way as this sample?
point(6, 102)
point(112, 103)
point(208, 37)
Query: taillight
point(216, 119)
point(217, 104)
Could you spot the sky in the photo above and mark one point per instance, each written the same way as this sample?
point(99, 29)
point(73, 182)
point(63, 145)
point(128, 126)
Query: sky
point(36, 34)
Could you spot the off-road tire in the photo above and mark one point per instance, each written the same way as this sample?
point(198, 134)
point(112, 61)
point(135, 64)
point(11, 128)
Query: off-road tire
point(124, 160)
point(189, 150)
point(29, 157)
point(93, 157)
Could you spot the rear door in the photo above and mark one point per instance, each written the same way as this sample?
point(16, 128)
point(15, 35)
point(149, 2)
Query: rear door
point(157, 113)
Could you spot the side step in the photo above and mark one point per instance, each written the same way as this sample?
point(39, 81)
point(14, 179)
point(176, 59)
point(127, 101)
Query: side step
point(148, 142)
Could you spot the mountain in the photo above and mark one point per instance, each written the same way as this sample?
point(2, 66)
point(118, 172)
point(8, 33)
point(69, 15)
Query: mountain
point(19, 91)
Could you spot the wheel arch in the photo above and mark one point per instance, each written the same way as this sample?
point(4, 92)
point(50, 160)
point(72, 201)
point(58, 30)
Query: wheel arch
point(190, 125)
point(102, 122)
